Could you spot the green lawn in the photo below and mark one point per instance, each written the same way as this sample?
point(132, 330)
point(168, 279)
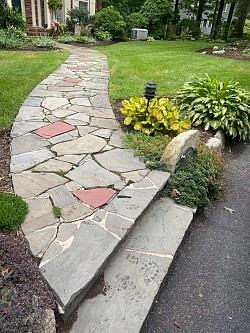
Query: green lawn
point(20, 72)
point(168, 63)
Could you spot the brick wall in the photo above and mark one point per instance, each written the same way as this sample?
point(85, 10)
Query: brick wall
point(28, 13)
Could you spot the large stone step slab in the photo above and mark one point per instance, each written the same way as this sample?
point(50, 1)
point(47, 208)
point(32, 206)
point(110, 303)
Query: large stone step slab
point(133, 277)
point(82, 249)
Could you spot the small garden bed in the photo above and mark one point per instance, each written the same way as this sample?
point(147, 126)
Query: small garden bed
point(238, 53)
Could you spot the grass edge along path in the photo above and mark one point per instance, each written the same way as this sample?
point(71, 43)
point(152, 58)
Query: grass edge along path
point(20, 73)
point(168, 63)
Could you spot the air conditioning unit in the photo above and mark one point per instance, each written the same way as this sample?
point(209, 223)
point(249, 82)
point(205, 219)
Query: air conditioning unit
point(139, 34)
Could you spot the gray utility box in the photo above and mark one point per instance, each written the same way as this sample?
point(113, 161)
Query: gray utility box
point(139, 34)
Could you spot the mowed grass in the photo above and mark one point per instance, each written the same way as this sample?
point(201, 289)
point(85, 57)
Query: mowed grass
point(20, 72)
point(169, 64)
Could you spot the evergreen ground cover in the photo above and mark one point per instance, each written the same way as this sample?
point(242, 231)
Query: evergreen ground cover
point(169, 64)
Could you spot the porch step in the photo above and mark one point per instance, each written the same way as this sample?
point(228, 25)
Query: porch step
point(133, 277)
point(82, 249)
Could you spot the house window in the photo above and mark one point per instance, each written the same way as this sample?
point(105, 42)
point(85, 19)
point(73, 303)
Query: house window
point(83, 5)
point(209, 24)
point(17, 5)
point(71, 4)
point(205, 23)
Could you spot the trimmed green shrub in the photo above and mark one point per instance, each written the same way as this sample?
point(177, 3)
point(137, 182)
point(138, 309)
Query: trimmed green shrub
point(199, 180)
point(11, 39)
point(65, 39)
point(102, 35)
point(108, 19)
point(216, 105)
point(44, 42)
point(159, 115)
point(13, 211)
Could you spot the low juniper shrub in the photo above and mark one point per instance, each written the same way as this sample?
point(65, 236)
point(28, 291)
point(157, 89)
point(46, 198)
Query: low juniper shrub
point(199, 180)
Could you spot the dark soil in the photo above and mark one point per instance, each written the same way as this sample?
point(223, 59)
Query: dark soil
point(231, 54)
point(24, 293)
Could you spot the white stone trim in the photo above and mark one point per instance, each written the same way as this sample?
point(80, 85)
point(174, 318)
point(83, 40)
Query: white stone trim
point(33, 9)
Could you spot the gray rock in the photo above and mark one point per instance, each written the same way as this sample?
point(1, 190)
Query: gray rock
point(45, 93)
point(58, 270)
point(119, 160)
point(103, 133)
point(33, 101)
point(132, 282)
point(76, 212)
point(61, 113)
point(80, 101)
point(118, 225)
point(215, 143)
point(60, 138)
point(52, 103)
point(87, 144)
point(177, 147)
point(90, 175)
point(40, 240)
point(23, 127)
point(28, 160)
point(100, 101)
point(161, 228)
point(66, 231)
point(62, 197)
point(79, 117)
point(74, 159)
point(32, 184)
point(159, 178)
point(104, 123)
point(115, 139)
point(28, 142)
point(30, 113)
point(40, 215)
point(54, 165)
point(83, 130)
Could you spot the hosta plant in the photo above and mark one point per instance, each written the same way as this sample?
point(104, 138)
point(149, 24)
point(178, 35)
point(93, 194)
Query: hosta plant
point(159, 115)
point(216, 105)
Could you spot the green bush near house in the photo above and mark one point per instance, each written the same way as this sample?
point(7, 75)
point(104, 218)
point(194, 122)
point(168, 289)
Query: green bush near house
point(45, 42)
point(199, 180)
point(12, 39)
point(216, 104)
point(13, 211)
point(110, 20)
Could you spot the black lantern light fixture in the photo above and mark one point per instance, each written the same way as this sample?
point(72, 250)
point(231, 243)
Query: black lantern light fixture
point(149, 91)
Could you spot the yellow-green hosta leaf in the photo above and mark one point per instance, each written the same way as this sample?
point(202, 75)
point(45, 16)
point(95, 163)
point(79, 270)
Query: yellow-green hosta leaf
point(124, 111)
point(185, 124)
point(175, 126)
point(125, 103)
point(137, 126)
point(163, 100)
point(127, 120)
point(134, 100)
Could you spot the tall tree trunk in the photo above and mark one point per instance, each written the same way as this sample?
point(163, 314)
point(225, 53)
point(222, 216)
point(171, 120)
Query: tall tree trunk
point(218, 20)
point(229, 20)
point(176, 12)
point(243, 12)
point(214, 17)
point(201, 10)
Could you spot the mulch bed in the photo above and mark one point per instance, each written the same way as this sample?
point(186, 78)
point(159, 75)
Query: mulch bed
point(231, 54)
point(23, 291)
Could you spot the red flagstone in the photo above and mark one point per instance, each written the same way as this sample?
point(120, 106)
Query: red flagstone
point(66, 84)
point(54, 129)
point(95, 197)
point(71, 80)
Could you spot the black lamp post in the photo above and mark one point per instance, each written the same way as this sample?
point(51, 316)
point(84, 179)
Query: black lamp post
point(149, 91)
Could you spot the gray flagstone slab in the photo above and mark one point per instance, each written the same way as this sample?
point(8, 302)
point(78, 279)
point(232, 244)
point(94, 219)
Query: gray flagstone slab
point(90, 174)
point(87, 144)
point(62, 197)
point(30, 113)
point(20, 128)
point(52, 103)
point(28, 142)
point(53, 165)
point(104, 123)
point(28, 160)
point(39, 216)
point(119, 160)
point(58, 271)
point(32, 184)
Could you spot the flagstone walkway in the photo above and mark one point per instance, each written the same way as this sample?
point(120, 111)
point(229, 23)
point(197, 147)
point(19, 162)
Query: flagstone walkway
point(67, 153)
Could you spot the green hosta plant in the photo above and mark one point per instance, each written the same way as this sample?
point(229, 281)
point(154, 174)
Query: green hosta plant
point(216, 105)
point(160, 115)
